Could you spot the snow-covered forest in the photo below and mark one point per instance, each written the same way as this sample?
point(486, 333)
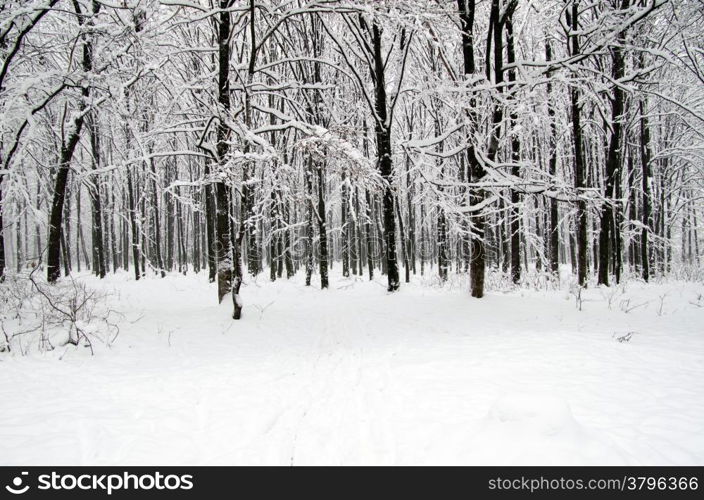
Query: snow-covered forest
point(352, 231)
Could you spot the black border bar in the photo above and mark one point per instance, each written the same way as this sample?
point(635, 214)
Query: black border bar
point(350, 482)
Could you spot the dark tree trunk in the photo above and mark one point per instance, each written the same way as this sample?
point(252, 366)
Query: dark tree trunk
point(495, 29)
point(19, 254)
point(309, 222)
point(322, 226)
point(57, 206)
point(443, 263)
point(552, 171)
point(423, 242)
point(2, 236)
point(169, 228)
point(133, 223)
point(504, 237)
point(344, 236)
point(113, 233)
point(514, 215)
point(248, 191)
point(369, 232)
point(250, 223)
point(79, 231)
point(355, 257)
point(66, 235)
point(280, 260)
point(210, 227)
point(613, 161)
point(125, 239)
point(477, 263)
point(196, 238)
point(181, 224)
point(287, 256)
point(274, 237)
point(223, 251)
point(368, 215)
point(317, 166)
point(156, 221)
point(579, 169)
point(404, 247)
point(237, 270)
point(143, 228)
point(411, 241)
point(645, 156)
point(97, 211)
point(618, 223)
point(633, 247)
point(383, 138)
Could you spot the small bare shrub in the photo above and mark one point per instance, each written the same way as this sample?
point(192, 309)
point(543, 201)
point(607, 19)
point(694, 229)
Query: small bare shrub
point(35, 314)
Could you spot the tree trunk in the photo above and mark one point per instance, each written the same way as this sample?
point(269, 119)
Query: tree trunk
point(2, 235)
point(514, 213)
point(156, 220)
point(613, 161)
point(210, 226)
point(309, 222)
point(274, 239)
point(133, 223)
point(368, 230)
point(223, 252)
point(633, 247)
point(57, 206)
point(344, 236)
point(97, 211)
point(645, 156)
point(477, 263)
point(322, 226)
point(404, 247)
point(579, 170)
point(383, 139)
point(552, 171)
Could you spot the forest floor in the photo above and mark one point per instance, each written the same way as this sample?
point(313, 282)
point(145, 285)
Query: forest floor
point(354, 375)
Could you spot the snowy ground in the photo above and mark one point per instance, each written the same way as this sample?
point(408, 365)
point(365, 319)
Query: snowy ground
point(353, 375)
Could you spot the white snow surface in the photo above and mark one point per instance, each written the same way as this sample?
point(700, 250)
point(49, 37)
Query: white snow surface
point(354, 375)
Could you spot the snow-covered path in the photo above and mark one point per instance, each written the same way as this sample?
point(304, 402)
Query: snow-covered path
point(353, 375)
